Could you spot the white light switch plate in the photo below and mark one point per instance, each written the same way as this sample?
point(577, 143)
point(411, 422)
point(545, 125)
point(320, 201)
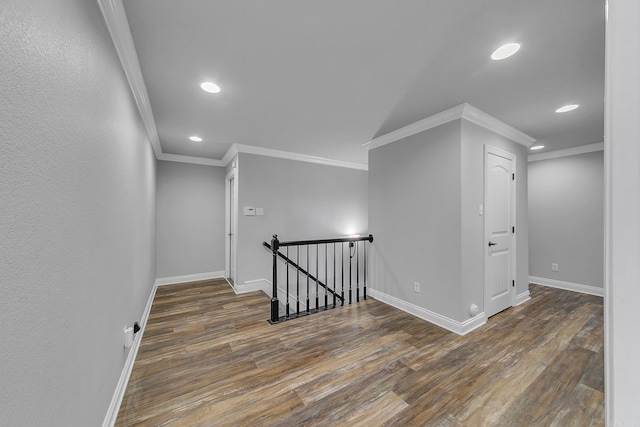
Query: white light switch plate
point(249, 211)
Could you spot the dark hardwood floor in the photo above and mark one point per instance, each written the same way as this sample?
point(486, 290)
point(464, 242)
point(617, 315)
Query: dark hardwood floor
point(208, 357)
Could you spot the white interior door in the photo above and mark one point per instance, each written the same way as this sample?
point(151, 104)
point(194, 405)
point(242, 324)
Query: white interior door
point(499, 229)
point(231, 228)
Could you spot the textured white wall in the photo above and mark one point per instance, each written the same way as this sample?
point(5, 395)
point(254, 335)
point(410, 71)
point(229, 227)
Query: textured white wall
point(77, 209)
point(190, 228)
point(566, 206)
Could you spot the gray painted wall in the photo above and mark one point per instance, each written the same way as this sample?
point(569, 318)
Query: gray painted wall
point(77, 202)
point(414, 215)
point(301, 201)
point(424, 195)
point(190, 224)
point(566, 207)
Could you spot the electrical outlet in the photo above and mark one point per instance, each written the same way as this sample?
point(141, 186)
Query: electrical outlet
point(416, 286)
point(554, 267)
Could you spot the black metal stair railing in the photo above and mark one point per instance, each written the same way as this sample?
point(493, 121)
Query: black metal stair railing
point(304, 272)
point(330, 255)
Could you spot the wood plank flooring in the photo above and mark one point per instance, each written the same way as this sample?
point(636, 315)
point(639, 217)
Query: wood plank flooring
point(208, 357)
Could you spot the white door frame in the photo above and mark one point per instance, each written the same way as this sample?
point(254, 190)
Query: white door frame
point(488, 149)
point(230, 210)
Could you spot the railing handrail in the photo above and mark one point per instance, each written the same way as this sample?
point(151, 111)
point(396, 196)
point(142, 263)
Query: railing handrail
point(321, 241)
point(290, 262)
point(353, 242)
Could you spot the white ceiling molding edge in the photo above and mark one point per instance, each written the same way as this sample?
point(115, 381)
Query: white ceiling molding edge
point(483, 119)
point(268, 152)
point(230, 154)
point(582, 149)
point(462, 111)
point(115, 18)
point(190, 159)
point(420, 126)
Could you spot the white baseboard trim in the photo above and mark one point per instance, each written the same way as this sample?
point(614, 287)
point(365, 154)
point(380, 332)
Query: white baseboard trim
point(189, 278)
point(253, 285)
point(568, 286)
point(523, 297)
point(460, 328)
point(118, 395)
point(265, 286)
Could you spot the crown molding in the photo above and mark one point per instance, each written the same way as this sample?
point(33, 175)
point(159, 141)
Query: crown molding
point(487, 121)
point(581, 149)
point(115, 18)
point(268, 152)
point(230, 154)
point(190, 159)
point(462, 111)
point(420, 126)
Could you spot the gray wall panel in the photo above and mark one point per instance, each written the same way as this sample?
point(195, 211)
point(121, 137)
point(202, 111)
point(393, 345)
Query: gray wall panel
point(566, 207)
point(301, 201)
point(190, 219)
point(414, 215)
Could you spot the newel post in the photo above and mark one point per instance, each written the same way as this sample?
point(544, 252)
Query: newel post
point(275, 305)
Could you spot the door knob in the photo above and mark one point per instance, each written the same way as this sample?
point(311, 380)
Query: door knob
point(492, 244)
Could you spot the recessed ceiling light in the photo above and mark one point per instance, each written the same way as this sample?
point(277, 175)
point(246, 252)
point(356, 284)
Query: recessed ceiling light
point(567, 108)
point(210, 87)
point(195, 138)
point(505, 51)
point(537, 147)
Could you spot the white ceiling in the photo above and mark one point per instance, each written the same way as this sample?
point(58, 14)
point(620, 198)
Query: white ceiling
point(322, 77)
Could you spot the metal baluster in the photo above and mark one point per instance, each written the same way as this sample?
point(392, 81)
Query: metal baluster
point(334, 275)
point(275, 307)
point(350, 274)
point(298, 283)
point(365, 269)
point(326, 279)
point(287, 267)
point(307, 277)
point(342, 271)
point(357, 272)
point(317, 278)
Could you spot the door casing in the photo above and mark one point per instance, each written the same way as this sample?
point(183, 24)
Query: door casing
point(231, 221)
